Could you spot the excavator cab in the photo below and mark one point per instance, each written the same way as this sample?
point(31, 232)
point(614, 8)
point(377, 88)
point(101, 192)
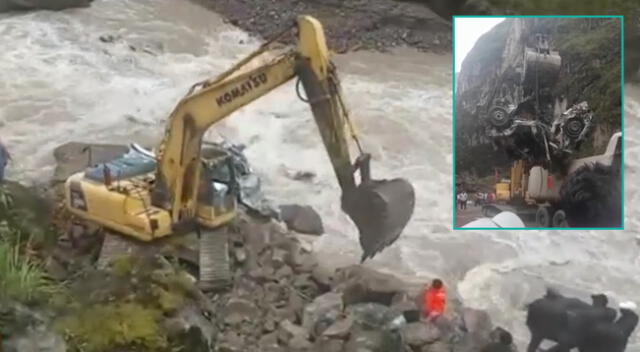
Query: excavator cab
point(218, 193)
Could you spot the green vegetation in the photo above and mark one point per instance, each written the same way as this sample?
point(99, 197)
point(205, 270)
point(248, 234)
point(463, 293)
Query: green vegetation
point(22, 278)
point(103, 327)
point(123, 308)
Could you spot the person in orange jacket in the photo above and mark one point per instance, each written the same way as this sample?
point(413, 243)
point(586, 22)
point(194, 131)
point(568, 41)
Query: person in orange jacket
point(434, 300)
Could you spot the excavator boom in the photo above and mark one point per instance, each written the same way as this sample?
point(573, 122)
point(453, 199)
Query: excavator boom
point(379, 208)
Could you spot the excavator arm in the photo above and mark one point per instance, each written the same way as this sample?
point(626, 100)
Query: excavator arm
point(379, 208)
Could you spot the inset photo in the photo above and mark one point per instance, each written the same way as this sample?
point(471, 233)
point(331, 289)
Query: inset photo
point(538, 122)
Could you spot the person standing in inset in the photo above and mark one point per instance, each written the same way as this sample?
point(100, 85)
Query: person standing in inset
point(464, 197)
point(4, 159)
point(434, 300)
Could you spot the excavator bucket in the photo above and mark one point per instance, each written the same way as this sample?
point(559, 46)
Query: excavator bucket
point(380, 209)
point(544, 64)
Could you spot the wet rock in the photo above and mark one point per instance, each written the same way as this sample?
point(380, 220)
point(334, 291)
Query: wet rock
point(325, 344)
point(302, 219)
point(360, 284)
point(56, 5)
point(364, 341)
point(308, 262)
point(418, 334)
point(305, 286)
point(304, 175)
point(340, 329)
point(191, 328)
point(108, 38)
point(439, 346)
point(270, 324)
point(287, 331)
point(370, 315)
point(408, 309)
point(323, 277)
point(477, 322)
point(240, 254)
point(278, 257)
point(284, 272)
point(35, 339)
point(73, 157)
point(323, 310)
point(231, 342)
point(268, 341)
point(238, 310)
point(299, 344)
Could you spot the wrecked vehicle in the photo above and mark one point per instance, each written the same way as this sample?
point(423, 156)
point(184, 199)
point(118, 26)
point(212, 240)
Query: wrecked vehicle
point(522, 121)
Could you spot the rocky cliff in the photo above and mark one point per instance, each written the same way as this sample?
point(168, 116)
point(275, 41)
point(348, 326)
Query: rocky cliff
point(493, 70)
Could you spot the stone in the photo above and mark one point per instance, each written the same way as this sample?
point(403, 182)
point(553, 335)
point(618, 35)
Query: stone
point(299, 344)
point(437, 346)
point(278, 258)
point(238, 310)
point(340, 329)
point(302, 219)
point(361, 285)
point(364, 341)
point(325, 344)
point(34, 339)
point(268, 341)
point(407, 308)
point(240, 254)
point(285, 272)
point(191, 327)
point(304, 175)
point(231, 342)
point(287, 331)
point(418, 334)
point(323, 277)
point(308, 262)
point(304, 284)
point(326, 306)
point(269, 324)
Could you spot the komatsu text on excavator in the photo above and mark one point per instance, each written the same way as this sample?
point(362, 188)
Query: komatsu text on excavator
point(174, 192)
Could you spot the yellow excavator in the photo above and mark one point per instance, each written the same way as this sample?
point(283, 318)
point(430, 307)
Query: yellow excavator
point(175, 192)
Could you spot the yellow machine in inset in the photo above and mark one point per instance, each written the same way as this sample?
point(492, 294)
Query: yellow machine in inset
point(174, 192)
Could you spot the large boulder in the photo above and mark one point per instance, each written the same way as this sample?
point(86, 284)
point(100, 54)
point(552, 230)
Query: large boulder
point(322, 312)
point(191, 329)
point(419, 334)
point(22, 5)
point(74, 157)
point(362, 285)
point(302, 219)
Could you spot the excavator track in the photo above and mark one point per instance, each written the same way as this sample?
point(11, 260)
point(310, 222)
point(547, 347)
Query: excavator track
point(213, 255)
point(115, 245)
point(215, 270)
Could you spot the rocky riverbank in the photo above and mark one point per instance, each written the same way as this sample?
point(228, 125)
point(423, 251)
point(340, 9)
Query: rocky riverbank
point(349, 25)
point(281, 298)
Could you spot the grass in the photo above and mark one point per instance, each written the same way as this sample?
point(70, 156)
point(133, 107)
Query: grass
point(105, 327)
point(22, 279)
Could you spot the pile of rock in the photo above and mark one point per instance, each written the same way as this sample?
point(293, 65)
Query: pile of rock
point(283, 300)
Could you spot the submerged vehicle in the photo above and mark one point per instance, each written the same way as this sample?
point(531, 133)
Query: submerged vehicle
point(177, 192)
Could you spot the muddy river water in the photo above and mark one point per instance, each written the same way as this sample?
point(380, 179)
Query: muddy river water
point(59, 82)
